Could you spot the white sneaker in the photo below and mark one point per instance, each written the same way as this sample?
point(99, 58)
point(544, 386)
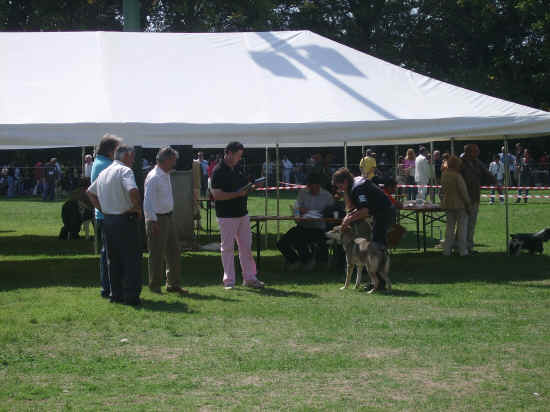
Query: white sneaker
point(256, 284)
point(228, 287)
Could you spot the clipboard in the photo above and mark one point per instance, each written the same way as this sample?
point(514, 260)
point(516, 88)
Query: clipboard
point(249, 186)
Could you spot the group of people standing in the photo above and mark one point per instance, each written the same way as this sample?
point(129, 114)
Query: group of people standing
point(116, 197)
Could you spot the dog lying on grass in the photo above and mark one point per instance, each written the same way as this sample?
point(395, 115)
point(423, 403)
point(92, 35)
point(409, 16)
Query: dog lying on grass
point(533, 242)
point(362, 253)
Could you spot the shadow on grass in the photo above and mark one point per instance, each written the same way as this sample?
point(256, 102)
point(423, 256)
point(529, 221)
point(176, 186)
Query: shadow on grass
point(201, 269)
point(43, 245)
point(489, 267)
point(267, 291)
point(161, 306)
point(405, 293)
point(198, 296)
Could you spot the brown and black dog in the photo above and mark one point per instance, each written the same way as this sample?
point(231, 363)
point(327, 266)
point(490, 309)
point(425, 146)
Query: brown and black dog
point(362, 253)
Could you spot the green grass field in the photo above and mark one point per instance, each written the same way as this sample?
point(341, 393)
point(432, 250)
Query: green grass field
point(466, 333)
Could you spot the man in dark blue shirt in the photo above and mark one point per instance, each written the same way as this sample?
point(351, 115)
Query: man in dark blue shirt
point(363, 199)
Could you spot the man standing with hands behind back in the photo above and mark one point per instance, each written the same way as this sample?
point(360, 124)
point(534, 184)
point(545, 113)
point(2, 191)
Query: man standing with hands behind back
point(228, 181)
point(158, 207)
point(116, 195)
point(104, 157)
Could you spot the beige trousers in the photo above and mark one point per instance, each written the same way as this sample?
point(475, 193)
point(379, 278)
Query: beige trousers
point(457, 219)
point(164, 247)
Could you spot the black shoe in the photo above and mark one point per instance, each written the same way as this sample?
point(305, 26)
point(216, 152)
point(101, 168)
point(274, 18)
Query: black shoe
point(132, 302)
point(106, 295)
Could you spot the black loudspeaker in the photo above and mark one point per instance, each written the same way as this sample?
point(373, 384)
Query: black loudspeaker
point(185, 161)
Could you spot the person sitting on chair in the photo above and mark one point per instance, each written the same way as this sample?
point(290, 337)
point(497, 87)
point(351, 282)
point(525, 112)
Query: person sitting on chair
point(299, 243)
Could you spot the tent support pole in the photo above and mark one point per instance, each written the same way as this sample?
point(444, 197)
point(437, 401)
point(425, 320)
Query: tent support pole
point(83, 153)
point(395, 162)
point(266, 192)
point(346, 155)
point(431, 190)
point(506, 184)
point(452, 146)
point(277, 176)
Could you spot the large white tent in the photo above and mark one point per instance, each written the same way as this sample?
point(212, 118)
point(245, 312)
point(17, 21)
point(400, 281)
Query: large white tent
point(292, 88)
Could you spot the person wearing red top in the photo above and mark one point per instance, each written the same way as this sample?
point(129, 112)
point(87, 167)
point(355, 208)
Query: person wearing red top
point(38, 178)
point(390, 187)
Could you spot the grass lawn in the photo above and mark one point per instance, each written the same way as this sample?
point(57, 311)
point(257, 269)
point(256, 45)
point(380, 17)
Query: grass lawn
point(456, 334)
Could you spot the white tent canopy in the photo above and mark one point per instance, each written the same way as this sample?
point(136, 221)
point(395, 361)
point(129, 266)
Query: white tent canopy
point(293, 88)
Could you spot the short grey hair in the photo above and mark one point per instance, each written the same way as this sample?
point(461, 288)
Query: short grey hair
point(166, 153)
point(122, 150)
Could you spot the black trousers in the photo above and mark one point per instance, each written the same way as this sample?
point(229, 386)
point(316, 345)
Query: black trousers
point(124, 256)
point(300, 243)
point(381, 224)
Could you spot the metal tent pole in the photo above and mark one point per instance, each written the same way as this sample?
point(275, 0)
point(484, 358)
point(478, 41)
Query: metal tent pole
point(506, 184)
point(452, 146)
point(396, 161)
point(131, 14)
point(83, 153)
point(266, 191)
point(346, 155)
point(432, 181)
point(277, 176)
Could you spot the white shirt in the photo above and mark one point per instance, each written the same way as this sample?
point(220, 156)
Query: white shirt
point(287, 164)
point(112, 187)
point(88, 169)
point(158, 196)
point(497, 170)
point(422, 169)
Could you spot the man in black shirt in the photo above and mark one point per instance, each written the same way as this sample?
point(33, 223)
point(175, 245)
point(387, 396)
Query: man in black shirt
point(363, 199)
point(230, 195)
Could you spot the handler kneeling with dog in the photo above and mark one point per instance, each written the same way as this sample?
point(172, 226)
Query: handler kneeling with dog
point(364, 198)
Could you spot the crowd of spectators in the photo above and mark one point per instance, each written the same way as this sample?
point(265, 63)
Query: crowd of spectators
point(43, 179)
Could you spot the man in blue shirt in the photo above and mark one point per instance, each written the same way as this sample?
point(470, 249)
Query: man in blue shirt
point(103, 159)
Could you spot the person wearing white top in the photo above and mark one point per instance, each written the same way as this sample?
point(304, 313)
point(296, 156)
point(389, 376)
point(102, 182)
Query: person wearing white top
point(162, 240)
point(496, 167)
point(88, 162)
point(287, 168)
point(116, 195)
point(422, 172)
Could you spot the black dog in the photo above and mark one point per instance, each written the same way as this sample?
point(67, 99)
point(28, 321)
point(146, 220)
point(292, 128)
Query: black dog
point(533, 242)
point(72, 220)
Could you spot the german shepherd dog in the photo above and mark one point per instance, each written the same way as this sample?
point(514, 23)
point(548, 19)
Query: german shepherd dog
point(362, 253)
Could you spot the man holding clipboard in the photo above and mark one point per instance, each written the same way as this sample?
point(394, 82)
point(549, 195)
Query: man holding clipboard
point(230, 190)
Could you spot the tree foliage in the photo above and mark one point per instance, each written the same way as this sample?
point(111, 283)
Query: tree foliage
point(498, 47)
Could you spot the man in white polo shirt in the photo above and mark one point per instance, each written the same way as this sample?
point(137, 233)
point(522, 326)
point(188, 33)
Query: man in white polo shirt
point(162, 240)
point(116, 195)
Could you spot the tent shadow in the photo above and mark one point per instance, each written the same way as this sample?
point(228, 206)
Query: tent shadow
point(44, 245)
point(488, 267)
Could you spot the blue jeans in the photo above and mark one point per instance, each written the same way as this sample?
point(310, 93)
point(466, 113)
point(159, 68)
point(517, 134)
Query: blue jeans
point(49, 191)
point(103, 262)
point(500, 183)
point(11, 186)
